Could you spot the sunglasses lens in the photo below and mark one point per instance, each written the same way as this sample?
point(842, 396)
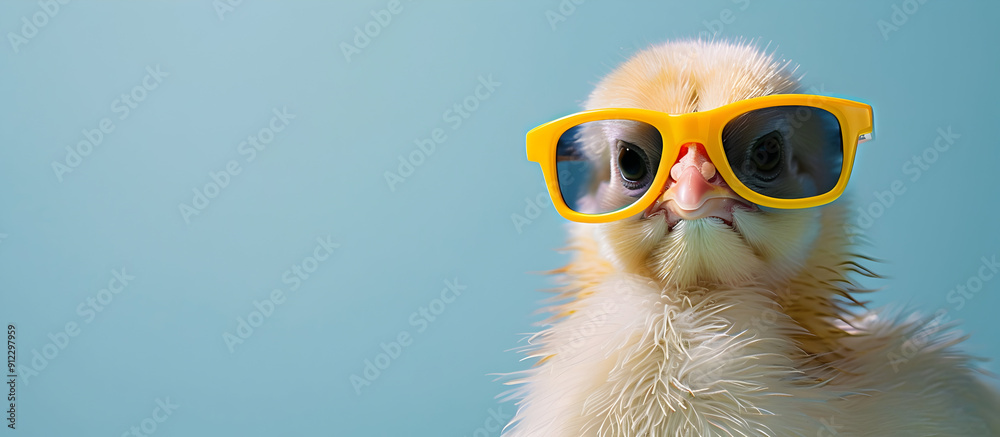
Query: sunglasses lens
point(785, 152)
point(607, 165)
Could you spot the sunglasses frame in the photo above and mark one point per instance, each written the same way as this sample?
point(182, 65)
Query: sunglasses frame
point(855, 120)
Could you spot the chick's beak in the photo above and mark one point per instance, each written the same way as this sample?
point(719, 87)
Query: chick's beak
point(695, 190)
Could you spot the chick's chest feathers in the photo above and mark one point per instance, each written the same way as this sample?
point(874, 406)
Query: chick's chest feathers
point(624, 356)
point(641, 359)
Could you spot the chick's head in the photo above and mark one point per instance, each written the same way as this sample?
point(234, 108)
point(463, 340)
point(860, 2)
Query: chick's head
point(687, 237)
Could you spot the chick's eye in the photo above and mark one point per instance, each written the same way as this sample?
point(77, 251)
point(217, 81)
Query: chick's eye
point(631, 162)
point(766, 155)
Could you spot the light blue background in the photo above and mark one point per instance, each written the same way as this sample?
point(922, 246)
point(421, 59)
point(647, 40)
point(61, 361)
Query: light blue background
point(324, 175)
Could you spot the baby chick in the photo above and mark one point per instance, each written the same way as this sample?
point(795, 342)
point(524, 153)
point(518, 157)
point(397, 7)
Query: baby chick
point(706, 314)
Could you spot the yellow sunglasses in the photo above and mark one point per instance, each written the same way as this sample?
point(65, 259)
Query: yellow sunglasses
point(779, 151)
